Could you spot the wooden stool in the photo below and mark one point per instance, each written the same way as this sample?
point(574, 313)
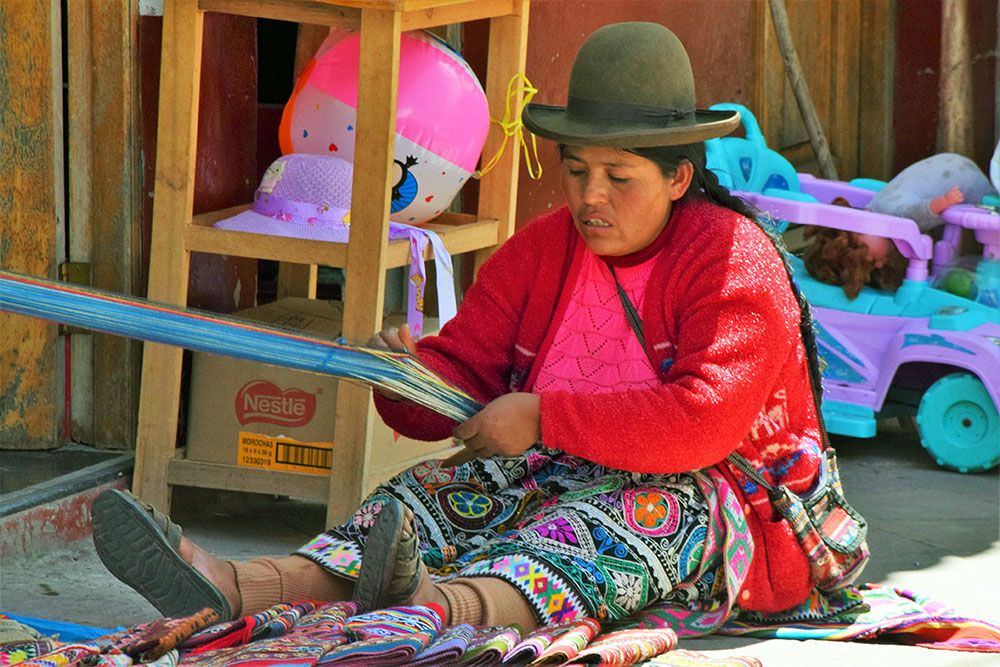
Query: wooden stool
point(176, 232)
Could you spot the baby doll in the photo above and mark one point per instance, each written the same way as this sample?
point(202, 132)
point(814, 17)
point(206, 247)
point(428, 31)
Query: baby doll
point(919, 192)
point(852, 260)
point(925, 188)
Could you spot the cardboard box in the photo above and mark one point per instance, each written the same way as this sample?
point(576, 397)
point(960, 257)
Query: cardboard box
point(255, 415)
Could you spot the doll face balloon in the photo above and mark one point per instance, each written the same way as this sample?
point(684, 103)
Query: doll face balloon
point(442, 118)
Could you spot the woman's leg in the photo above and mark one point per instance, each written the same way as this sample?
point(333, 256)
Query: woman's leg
point(265, 582)
point(485, 601)
point(479, 601)
point(605, 549)
point(147, 551)
point(219, 572)
point(252, 586)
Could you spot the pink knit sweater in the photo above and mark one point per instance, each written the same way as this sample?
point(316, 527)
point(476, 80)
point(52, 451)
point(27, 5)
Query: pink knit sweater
point(722, 325)
point(594, 350)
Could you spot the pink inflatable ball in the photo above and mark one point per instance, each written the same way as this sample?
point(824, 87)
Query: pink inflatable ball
point(442, 118)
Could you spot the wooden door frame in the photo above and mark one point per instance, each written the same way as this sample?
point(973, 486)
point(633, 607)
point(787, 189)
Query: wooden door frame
point(31, 215)
point(105, 186)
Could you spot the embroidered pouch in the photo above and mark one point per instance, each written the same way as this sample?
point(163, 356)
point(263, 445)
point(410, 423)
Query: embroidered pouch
point(831, 532)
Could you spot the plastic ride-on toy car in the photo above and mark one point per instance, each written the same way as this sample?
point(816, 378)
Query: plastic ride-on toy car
point(921, 350)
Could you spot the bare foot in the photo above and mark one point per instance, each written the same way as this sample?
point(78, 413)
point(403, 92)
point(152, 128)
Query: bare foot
point(220, 573)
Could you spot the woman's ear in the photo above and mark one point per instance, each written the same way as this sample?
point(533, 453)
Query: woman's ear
point(680, 181)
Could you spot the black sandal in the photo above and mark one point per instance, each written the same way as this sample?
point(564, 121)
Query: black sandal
point(141, 547)
point(390, 564)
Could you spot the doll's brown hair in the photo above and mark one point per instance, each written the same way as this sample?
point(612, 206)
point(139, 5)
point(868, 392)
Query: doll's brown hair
point(839, 258)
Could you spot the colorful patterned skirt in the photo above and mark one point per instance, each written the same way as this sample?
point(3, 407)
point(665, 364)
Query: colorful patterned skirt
point(576, 538)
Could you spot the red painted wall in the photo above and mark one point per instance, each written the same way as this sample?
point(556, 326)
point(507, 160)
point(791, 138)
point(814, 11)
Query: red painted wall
point(983, 42)
point(918, 55)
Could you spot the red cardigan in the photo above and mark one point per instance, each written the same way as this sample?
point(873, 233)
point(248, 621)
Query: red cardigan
point(724, 335)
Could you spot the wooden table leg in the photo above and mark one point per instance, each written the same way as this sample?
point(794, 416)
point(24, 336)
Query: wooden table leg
point(364, 298)
point(173, 198)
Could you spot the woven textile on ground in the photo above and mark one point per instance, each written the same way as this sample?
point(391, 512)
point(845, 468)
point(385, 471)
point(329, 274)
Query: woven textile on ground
point(334, 634)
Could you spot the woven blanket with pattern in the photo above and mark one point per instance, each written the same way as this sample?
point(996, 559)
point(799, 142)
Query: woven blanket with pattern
point(307, 634)
point(895, 614)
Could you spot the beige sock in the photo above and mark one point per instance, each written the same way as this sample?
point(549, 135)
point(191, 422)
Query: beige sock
point(484, 601)
point(265, 582)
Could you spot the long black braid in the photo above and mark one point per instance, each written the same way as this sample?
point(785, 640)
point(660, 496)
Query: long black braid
point(668, 158)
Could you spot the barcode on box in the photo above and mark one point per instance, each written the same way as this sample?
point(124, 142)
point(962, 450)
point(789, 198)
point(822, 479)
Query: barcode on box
point(303, 455)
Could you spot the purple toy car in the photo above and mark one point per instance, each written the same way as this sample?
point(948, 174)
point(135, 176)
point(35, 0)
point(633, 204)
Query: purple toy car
point(920, 350)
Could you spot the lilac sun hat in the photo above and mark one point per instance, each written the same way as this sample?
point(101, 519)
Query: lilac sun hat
point(301, 196)
point(309, 197)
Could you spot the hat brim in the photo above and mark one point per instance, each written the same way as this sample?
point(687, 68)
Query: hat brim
point(553, 122)
point(255, 223)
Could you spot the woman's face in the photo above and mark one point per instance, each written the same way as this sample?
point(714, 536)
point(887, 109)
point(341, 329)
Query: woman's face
point(619, 201)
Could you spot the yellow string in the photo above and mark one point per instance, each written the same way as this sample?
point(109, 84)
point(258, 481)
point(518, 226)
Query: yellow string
point(513, 127)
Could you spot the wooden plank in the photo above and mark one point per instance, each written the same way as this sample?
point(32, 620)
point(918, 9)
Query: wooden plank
point(802, 156)
point(877, 77)
point(182, 472)
point(391, 5)
point(314, 12)
point(771, 76)
point(457, 238)
point(955, 126)
point(364, 293)
point(415, 14)
point(845, 79)
point(81, 134)
point(412, 6)
point(459, 13)
point(169, 261)
point(31, 215)
point(115, 212)
point(826, 35)
point(212, 217)
point(506, 58)
point(447, 219)
point(810, 23)
point(759, 25)
point(779, 118)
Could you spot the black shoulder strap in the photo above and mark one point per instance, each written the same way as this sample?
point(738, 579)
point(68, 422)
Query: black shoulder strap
point(632, 315)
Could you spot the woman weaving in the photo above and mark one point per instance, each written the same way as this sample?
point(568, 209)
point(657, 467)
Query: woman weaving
point(599, 483)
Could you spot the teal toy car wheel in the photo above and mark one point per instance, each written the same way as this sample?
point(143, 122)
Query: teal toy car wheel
point(959, 425)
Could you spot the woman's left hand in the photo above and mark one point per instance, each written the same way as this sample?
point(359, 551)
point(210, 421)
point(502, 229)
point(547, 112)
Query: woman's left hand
point(507, 426)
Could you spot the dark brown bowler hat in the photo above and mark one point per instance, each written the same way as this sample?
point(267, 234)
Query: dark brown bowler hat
point(631, 87)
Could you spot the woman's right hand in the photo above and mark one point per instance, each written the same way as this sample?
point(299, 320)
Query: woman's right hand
point(396, 339)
